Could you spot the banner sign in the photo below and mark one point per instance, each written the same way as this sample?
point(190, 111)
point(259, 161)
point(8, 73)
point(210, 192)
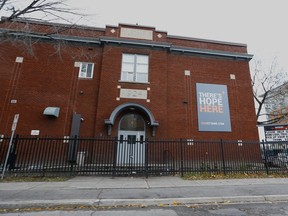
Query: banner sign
point(213, 107)
point(276, 132)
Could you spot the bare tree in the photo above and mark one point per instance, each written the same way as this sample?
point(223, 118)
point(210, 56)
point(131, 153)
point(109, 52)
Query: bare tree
point(37, 9)
point(269, 91)
point(18, 18)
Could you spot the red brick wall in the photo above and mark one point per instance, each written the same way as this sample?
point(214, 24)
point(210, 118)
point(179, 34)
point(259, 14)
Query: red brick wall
point(110, 76)
point(214, 71)
point(48, 77)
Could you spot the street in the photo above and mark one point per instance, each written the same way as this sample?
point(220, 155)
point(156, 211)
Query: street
point(169, 196)
point(244, 209)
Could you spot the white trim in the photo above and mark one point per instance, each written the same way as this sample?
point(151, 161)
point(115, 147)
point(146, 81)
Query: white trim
point(135, 64)
point(83, 74)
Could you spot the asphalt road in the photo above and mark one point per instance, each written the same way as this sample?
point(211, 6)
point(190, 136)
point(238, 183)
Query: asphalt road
point(247, 209)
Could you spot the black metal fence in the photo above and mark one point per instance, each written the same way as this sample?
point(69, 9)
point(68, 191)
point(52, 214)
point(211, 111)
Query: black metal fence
point(110, 156)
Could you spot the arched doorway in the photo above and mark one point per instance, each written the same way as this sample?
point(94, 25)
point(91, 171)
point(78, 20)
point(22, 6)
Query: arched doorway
point(153, 124)
point(131, 136)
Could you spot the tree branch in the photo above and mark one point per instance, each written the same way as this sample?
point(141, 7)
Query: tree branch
point(265, 81)
point(54, 8)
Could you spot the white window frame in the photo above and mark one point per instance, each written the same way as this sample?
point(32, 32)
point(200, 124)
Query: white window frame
point(135, 72)
point(83, 71)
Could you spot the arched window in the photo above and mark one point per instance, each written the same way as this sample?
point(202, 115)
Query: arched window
point(132, 122)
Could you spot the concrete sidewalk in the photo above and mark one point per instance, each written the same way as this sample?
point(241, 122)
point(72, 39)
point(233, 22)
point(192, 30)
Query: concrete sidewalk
point(105, 191)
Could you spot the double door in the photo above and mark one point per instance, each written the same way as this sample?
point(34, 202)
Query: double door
point(131, 148)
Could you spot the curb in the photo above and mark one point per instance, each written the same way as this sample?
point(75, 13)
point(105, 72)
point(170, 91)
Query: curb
point(142, 202)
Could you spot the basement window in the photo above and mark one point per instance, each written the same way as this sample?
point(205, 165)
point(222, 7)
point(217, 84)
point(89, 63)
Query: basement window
point(86, 70)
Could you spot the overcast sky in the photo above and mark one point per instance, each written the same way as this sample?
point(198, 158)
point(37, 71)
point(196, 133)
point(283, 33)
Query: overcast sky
point(261, 24)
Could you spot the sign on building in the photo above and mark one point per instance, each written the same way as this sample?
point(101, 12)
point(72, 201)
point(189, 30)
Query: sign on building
point(133, 93)
point(276, 132)
point(213, 107)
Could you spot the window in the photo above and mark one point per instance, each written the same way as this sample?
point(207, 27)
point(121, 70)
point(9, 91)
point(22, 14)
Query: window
point(134, 68)
point(86, 70)
point(132, 122)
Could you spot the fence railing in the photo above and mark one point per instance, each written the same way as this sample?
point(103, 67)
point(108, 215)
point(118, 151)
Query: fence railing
point(110, 156)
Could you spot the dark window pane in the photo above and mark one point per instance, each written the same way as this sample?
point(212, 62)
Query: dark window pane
point(132, 122)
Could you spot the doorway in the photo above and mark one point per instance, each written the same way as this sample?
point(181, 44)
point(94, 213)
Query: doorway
point(131, 137)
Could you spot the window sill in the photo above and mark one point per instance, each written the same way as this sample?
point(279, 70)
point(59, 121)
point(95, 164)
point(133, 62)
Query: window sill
point(85, 78)
point(132, 82)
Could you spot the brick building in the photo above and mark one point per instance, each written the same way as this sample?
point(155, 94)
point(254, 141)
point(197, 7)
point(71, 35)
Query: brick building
point(276, 105)
point(128, 81)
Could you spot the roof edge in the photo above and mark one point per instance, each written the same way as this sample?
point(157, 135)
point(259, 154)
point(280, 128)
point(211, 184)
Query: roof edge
point(207, 40)
point(210, 52)
point(41, 22)
point(53, 36)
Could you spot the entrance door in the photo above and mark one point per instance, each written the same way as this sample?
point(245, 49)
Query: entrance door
point(131, 148)
point(131, 145)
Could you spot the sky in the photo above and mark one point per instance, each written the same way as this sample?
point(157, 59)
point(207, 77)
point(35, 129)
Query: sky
point(261, 24)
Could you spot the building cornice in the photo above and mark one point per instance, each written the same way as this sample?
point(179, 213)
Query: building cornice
point(138, 43)
point(209, 52)
point(89, 40)
point(135, 42)
point(206, 41)
point(62, 25)
point(172, 48)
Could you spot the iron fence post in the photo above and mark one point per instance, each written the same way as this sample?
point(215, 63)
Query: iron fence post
point(223, 156)
point(74, 156)
point(181, 155)
point(265, 157)
point(114, 157)
point(146, 158)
